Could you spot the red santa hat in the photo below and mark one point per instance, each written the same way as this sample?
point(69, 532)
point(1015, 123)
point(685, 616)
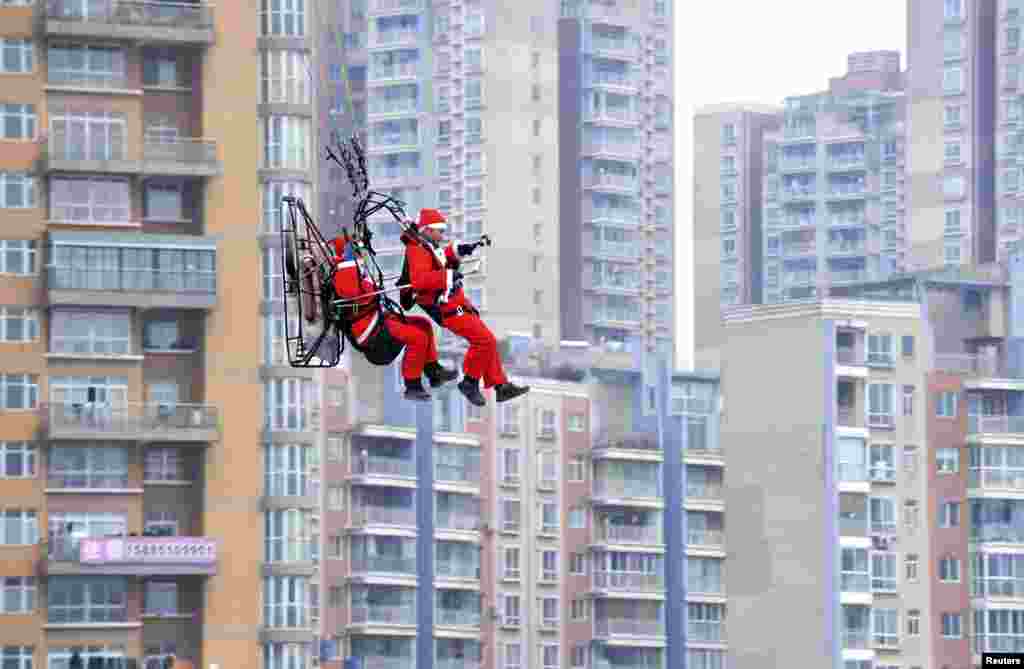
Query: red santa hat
point(432, 219)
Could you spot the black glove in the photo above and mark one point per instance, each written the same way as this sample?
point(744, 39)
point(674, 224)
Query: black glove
point(456, 276)
point(465, 249)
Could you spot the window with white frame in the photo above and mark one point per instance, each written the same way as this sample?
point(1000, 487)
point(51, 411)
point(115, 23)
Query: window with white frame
point(883, 515)
point(160, 598)
point(284, 77)
point(951, 625)
point(18, 122)
point(288, 470)
point(92, 599)
point(474, 130)
point(511, 611)
point(18, 257)
point(512, 655)
point(164, 464)
point(914, 622)
point(17, 595)
point(90, 201)
point(161, 524)
point(953, 80)
point(882, 462)
point(290, 404)
point(952, 151)
point(509, 419)
point(88, 467)
point(549, 612)
point(286, 601)
point(580, 654)
point(18, 324)
point(282, 656)
point(947, 460)
point(880, 405)
point(576, 422)
point(18, 460)
point(911, 513)
point(549, 566)
point(577, 517)
point(885, 627)
point(286, 142)
point(509, 465)
point(288, 536)
point(945, 406)
point(473, 58)
point(164, 201)
point(910, 563)
point(283, 18)
point(335, 498)
point(578, 564)
point(88, 65)
point(953, 226)
point(79, 135)
point(19, 391)
point(880, 350)
point(510, 563)
point(17, 190)
point(79, 331)
point(949, 514)
point(883, 572)
point(474, 24)
point(547, 469)
point(577, 469)
point(579, 609)
point(954, 186)
point(18, 55)
point(474, 196)
point(952, 253)
point(549, 518)
point(474, 163)
point(949, 569)
point(273, 206)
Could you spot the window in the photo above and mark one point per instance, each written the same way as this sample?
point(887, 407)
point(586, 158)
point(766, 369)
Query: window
point(283, 17)
point(908, 400)
point(885, 627)
point(165, 202)
point(535, 194)
point(883, 515)
point(94, 599)
point(288, 536)
point(335, 451)
point(577, 469)
point(952, 116)
point(535, 92)
point(907, 346)
point(949, 514)
point(578, 564)
point(79, 135)
point(510, 515)
point(18, 460)
point(910, 564)
point(511, 612)
point(953, 187)
point(577, 517)
point(549, 614)
point(74, 331)
point(18, 596)
point(512, 655)
point(536, 127)
point(509, 465)
point(288, 470)
point(17, 121)
point(18, 55)
point(883, 572)
point(910, 515)
point(19, 325)
point(161, 524)
point(284, 77)
point(91, 201)
point(951, 627)
point(19, 391)
point(161, 598)
point(880, 349)
point(914, 622)
point(538, 298)
point(17, 657)
point(946, 405)
point(273, 207)
point(17, 190)
point(729, 134)
point(949, 569)
point(286, 142)
point(509, 415)
point(473, 92)
point(510, 563)
point(883, 462)
point(290, 404)
point(160, 68)
point(89, 468)
point(549, 566)
point(576, 423)
point(18, 257)
point(164, 464)
point(953, 80)
point(549, 520)
point(335, 498)
point(947, 460)
point(880, 405)
point(285, 601)
point(952, 152)
point(579, 609)
point(547, 469)
point(579, 656)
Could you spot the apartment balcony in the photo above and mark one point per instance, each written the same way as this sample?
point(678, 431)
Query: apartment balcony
point(458, 521)
point(625, 535)
point(847, 221)
point(800, 249)
point(391, 516)
point(612, 49)
point(611, 150)
point(457, 663)
point(847, 247)
point(386, 662)
point(603, 250)
point(178, 157)
point(612, 81)
point(844, 192)
point(391, 7)
point(129, 287)
point(457, 569)
point(996, 534)
point(640, 662)
point(456, 617)
point(855, 582)
point(850, 357)
point(372, 615)
point(152, 422)
point(614, 183)
point(77, 79)
point(848, 276)
point(998, 643)
point(395, 38)
point(634, 447)
point(705, 539)
point(612, 283)
point(705, 631)
point(624, 629)
point(621, 582)
point(366, 469)
point(619, 217)
point(846, 163)
point(395, 142)
point(997, 588)
point(973, 365)
point(706, 496)
point(132, 556)
point(798, 164)
point(999, 481)
point(383, 565)
point(627, 492)
point(798, 194)
point(612, 117)
point(856, 639)
point(184, 23)
point(996, 425)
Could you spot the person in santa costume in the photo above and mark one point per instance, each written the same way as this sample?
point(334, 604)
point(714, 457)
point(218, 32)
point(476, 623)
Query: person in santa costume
point(434, 277)
point(366, 318)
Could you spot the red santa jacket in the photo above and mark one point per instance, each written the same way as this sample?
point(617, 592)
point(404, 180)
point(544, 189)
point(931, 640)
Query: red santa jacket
point(364, 313)
point(431, 275)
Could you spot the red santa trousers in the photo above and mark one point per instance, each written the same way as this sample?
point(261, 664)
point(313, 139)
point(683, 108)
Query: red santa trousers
point(482, 360)
point(417, 333)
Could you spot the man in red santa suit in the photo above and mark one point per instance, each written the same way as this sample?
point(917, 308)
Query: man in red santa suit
point(437, 283)
point(366, 316)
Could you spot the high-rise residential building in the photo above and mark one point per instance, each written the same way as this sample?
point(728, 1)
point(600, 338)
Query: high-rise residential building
point(792, 201)
point(616, 209)
point(894, 480)
point(953, 94)
point(132, 472)
point(1007, 138)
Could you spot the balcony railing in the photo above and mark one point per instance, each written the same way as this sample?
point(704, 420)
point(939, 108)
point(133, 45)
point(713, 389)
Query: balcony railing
point(798, 193)
point(1000, 534)
point(846, 162)
point(397, 37)
point(851, 472)
point(704, 587)
point(847, 416)
point(379, 465)
point(621, 115)
point(995, 424)
point(621, 80)
point(704, 450)
point(387, 662)
point(997, 587)
point(631, 488)
point(1008, 478)
point(456, 617)
point(458, 569)
point(124, 279)
point(631, 534)
point(133, 13)
point(79, 79)
point(363, 614)
point(457, 473)
point(384, 563)
point(628, 581)
point(792, 164)
point(384, 515)
point(711, 492)
point(394, 6)
point(847, 247)
point(854, 582)
point(395, 71)
point(882, 473)
point(391, 140)
point(998, 643)
point(621, 250)
point(81, 480)
point(705, 631)
point(606, 627)
point(167, 421)
point(448, 520)
point(188, 150)
point(707, 538)
point(620, 181)
point(855, 639)
point(457, 663)
point(614, 47)
point(848, 276)
point(619, 149)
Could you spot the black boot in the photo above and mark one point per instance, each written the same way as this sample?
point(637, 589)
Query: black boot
point(470, 387)
point(439, 375)
point(414, 391)
point(507, 391)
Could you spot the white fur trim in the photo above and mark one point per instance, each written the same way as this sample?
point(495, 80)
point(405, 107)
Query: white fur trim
point(369, 330)
point(437, 226)
point(449, 280)
point(347, 263)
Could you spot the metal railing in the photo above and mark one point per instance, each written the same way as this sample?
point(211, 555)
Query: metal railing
point(704, 587)
point(999, 534)
point(628, 627)
point(713, 538)
point(130, 417)
point(995, 424)
point(610, 114)
point(631, 534)
point(609, 487)
point(384, 563)
point(189, 150)
point(139, 280)
point(704, 450)
point(384, 466)
point(388, 6)
point(622, 250)
point(81, 480)
point(613, 181)
point(457, 569)
point(395, 71)
point(705, 631)
point(1007, 478)
point(85, 79)
point(457, 663)
point(457, 617)
point(854, 582)
point(601, 78)
point(385, 515)
point(193, 15)
point(387, 662)
point(997, 587)
point(705, 491)
point(630, 581)
point(457, 473)
point(387, 615)
point(447, 520)
point(623, 149)
point(396, 37)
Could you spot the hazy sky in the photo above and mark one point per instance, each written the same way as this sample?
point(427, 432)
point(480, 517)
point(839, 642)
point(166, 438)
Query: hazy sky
point(742, 51)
